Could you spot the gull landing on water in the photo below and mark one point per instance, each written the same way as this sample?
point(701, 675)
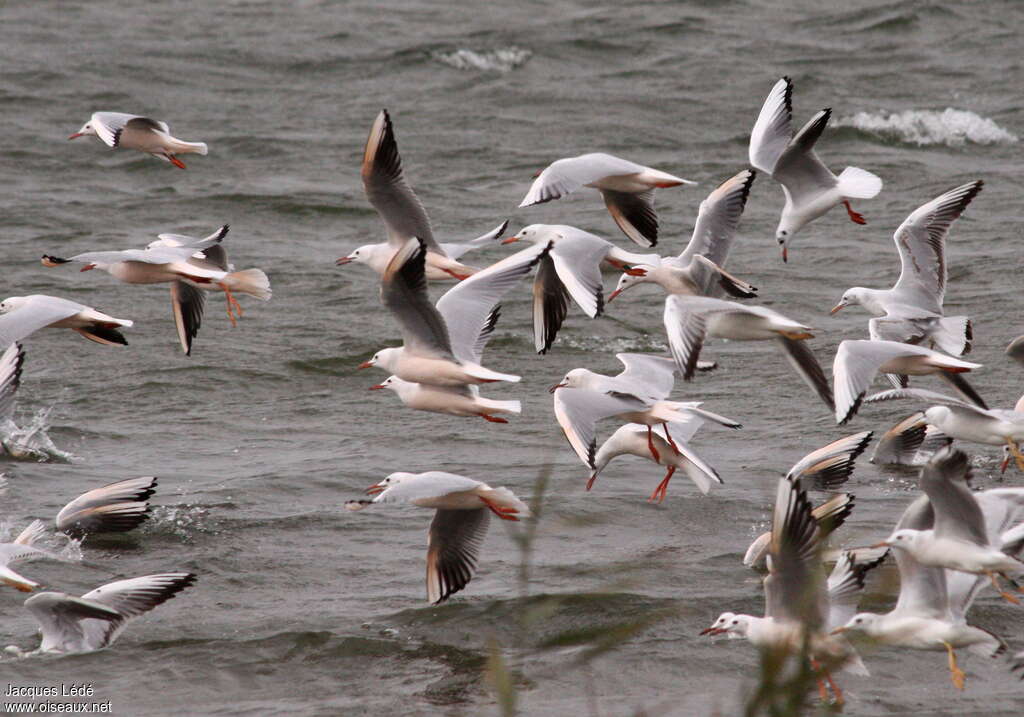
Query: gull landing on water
point(463, 509)
point(810, 188)
point(627, 188)
point(116, 129)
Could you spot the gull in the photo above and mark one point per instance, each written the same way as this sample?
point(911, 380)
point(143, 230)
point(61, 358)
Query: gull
point(637, 394)
point(958, 419)
point(113, 508)
point(442, 344)
point(627, 189)
point(453, 400)
point(911, 311)
point(931, 611)
point(636, 439)
point(825, 468)
point(798, 610)
point(21, 316)
point(689, 320)
point(463, 508)
point(858, 362)
point(162, 263)
point(95, 620)
point(959, 539)
point(698, 269)
point(377, 256)
point(571, 269)
point(810, 188)
point(398, 206)
point(116, 129)
point(23, 549)
point(911, 442)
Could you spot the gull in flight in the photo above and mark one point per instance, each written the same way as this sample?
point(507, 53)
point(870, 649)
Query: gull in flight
point(960, 539)
point(810, 188)
point(911, 442)
point(95, 620)
point(571, 269)
point(911, 311)
point(931, 611)
point(637, 394)
point(627, 189)
point(858, 362)
point(463, 507)
point(698, 269)
point(116, 129)
point(442, 344)
point(21, 316)
point(399, 208)
point(452, 400)
point(801, 605)
point(169, 260)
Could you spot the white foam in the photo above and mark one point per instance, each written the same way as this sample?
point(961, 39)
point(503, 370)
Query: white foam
point(950, 127)
point(503, 59)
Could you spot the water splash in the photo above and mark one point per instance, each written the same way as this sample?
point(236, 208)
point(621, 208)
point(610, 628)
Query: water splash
point(180, 520)
point(31, 443)
point(950, 127)
point(502, 59)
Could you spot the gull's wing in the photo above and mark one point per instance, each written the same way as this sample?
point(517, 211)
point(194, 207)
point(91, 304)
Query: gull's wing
point(712, 280)
point(801, 358)
point(577, 257)
point(565, 176)
point(578, 410)
point(113, 508)
point(772, 130)
point(845, 584)
point(453, 547)
point(921, 240)
point(160, 254)
point(39, 311)
point(109, 125)
point(213, 257)
point(455, 250)
point(830, 466)
point(922, 589)
point(889, 329)
point(794, 589)
point(10, 378)
point(550, 305)
point(130, 598)
point(831, 514)
point(646, 375)
point(425, 486)
point(635, 215)
point(945, 480)
point(686, 327)
point(187, 303)
point(387, 190)
point(901, 443)
point(62, 618)
point(855, 366)
point(717, 220)
point(468, 306)
point(923, 394)
point(403, 290)
point(798, 169)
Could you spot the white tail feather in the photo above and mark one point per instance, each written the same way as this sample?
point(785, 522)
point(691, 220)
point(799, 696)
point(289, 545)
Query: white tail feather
point(250, 281)
point(506, 498)
point(857, 183)
point(501, 406)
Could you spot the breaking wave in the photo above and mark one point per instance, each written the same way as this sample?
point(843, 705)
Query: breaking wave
point(950, 127)
point(504, 59)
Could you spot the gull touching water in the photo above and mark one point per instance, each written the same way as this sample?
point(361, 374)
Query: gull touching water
point(911, 311)
point(113, 508)
point(23, 549)
point(627, 189)
point(442, 344)
point(858, 362)
point(21, 316)
point(810, 188)
point(116, 129)
point(95, 620)
point(167, 261)
point(463, 508)
point(698, 269)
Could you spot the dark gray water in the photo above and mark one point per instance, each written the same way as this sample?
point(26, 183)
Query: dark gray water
point(302, 608)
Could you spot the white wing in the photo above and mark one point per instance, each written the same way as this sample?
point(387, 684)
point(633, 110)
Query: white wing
point(772, 130)
point(717, 220)
point(10, 378)
point(565, 176)
point(38, 311)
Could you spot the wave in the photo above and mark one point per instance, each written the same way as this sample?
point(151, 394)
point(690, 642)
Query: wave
point(951, 127)
point(503, 59)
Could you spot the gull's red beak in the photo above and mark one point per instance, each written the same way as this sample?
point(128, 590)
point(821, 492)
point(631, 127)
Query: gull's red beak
point(785, 254)
point(76, 135)
point(712, 631)
point(509, 240)
point(377, 387)
point(839, 631)
point(556, 387)
point(374, 489)
point(883, 544)
point(365, 364)
point(344, 260)
point(87, 267)
point(613, 295)
point(837, 307)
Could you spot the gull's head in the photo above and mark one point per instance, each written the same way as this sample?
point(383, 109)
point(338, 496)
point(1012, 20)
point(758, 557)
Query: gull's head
point(12, 303)
point(392, 383)
point(533, 232)
point(87, 129)
point(862, 622)
point(904, 539)
point(635, 275)
point(573, 379)
point(362, 255)
point(389, 482)
point(385, 358)
point(856, 295)
point(720, 625)
point(783, 234)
